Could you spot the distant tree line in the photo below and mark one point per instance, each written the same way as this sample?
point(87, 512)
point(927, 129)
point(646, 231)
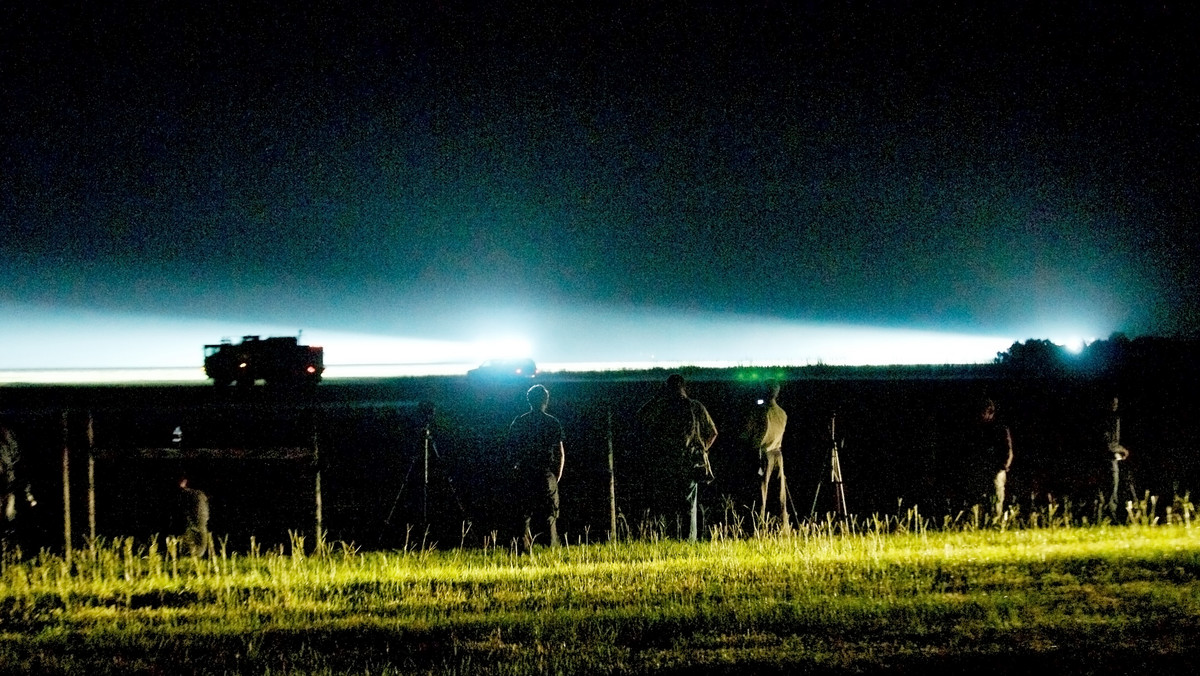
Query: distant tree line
point(1118, 356)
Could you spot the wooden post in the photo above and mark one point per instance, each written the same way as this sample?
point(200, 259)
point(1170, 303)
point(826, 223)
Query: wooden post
point(91, 439)
point(66, 490)
point(612, 485)
point(316, 450)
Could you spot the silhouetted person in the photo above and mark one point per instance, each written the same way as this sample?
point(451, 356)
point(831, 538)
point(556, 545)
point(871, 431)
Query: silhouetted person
point(680, 431)
point(535, 443)
point(10, 455)
point(1115, 453)
point(12, 489)
point(193, 507)
point(991, 455)
point(772, 421)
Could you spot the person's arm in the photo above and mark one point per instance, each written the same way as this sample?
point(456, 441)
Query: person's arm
point(1121, 450)
point(1008, 441)
point(562, 460)
point(708, 429)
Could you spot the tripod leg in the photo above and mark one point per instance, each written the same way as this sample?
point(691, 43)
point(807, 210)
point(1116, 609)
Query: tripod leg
point(791, 500)
point(387, 523)
point(839, 488)
point(784, 500)
point(425, 485)
point(449, 482)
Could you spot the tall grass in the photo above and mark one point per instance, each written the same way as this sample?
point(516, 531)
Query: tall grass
point(855, 593)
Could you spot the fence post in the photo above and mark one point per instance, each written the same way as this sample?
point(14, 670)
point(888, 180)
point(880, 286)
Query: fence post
point(91, 441)
point(612, 485)
point(316, 449)
point(66, 489)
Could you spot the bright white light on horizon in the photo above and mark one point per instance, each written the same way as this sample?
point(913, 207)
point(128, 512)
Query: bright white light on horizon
point(1075, 345)
point(502, 347)
point(738, 340)
point(1073, 338)
point(43, 346)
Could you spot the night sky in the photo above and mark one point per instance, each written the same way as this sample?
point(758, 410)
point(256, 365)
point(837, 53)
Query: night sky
point(425, 169)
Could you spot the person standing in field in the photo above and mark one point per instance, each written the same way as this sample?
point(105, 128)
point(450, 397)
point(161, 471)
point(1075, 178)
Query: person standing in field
point(10, 455)
point(992, 457)
point(193, 505)
point(15, 492)
point(1115, 452)
point(773, 422)
point(537, 457)
point(679, 433)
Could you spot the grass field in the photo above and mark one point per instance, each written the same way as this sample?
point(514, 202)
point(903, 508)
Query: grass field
point(891, 595)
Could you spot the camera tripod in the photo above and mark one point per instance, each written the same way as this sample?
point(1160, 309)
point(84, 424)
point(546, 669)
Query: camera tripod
point(835, 473)
point(428, 447)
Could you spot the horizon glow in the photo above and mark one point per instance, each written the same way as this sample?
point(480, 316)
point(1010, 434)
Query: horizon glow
point(81, 346)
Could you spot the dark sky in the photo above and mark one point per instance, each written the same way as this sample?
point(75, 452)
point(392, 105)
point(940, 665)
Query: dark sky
point(926, 165)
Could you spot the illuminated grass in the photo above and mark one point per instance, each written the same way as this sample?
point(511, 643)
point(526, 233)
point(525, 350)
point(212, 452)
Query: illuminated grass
point(1076, 597)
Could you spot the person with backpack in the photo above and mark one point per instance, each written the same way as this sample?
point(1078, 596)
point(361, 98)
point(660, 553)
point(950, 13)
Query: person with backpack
point(678, 431)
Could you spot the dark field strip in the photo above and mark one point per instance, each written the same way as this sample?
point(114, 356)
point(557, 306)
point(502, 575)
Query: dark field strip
point(598, 645)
